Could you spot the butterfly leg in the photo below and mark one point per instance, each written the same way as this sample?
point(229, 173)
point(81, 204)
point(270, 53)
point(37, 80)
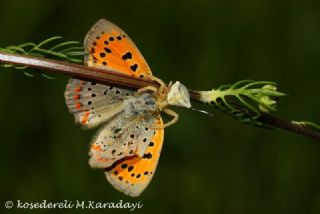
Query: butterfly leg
point(152, 88)
point(172, 113)
point(171, 122)
point(160, 93)
point(158, 80)
point(147, 88)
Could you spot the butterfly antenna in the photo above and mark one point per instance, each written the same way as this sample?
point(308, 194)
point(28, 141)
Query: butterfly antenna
point(202, 111)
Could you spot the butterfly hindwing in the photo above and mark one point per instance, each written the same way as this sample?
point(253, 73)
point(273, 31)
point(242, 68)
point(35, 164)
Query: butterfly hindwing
point(124, 136)
point(133, 174)
point(109, 47)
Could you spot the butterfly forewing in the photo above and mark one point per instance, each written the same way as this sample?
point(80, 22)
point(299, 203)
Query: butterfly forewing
point(108, 46)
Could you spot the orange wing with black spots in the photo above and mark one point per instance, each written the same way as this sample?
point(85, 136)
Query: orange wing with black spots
point(133, 174)
point(109, 47)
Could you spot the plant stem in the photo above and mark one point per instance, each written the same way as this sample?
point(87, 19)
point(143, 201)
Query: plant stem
point(113, 78)
point(55, 66)
point(289, 126)
point(271, 120)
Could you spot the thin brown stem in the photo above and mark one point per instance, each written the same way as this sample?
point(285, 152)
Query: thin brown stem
point(271, 120)
point(289, 126)
point(113, 78)
point(54, 66)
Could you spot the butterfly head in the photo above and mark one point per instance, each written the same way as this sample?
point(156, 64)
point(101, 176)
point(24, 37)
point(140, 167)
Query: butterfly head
point(178, 95)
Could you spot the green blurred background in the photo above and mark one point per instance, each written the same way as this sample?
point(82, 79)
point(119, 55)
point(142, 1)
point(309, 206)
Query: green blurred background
point(208, 165)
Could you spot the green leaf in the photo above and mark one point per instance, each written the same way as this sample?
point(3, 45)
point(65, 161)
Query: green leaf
point(68, 51)
point(245, 100)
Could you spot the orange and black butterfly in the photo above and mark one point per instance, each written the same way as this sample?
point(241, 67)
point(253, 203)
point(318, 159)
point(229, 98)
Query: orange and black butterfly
point(126, 147)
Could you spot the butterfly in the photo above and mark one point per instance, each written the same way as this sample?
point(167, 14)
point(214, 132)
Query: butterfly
point(128, 145)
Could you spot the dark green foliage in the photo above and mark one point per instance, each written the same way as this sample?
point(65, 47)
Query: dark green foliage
point(50, 48)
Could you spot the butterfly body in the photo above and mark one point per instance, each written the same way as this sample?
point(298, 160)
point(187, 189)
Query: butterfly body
point(129, 143)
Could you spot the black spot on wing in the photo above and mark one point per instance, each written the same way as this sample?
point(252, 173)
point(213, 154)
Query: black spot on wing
point(127, 55)
point(147, 156)
point(108, 50)
point(130, 168)
point(134, 67)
